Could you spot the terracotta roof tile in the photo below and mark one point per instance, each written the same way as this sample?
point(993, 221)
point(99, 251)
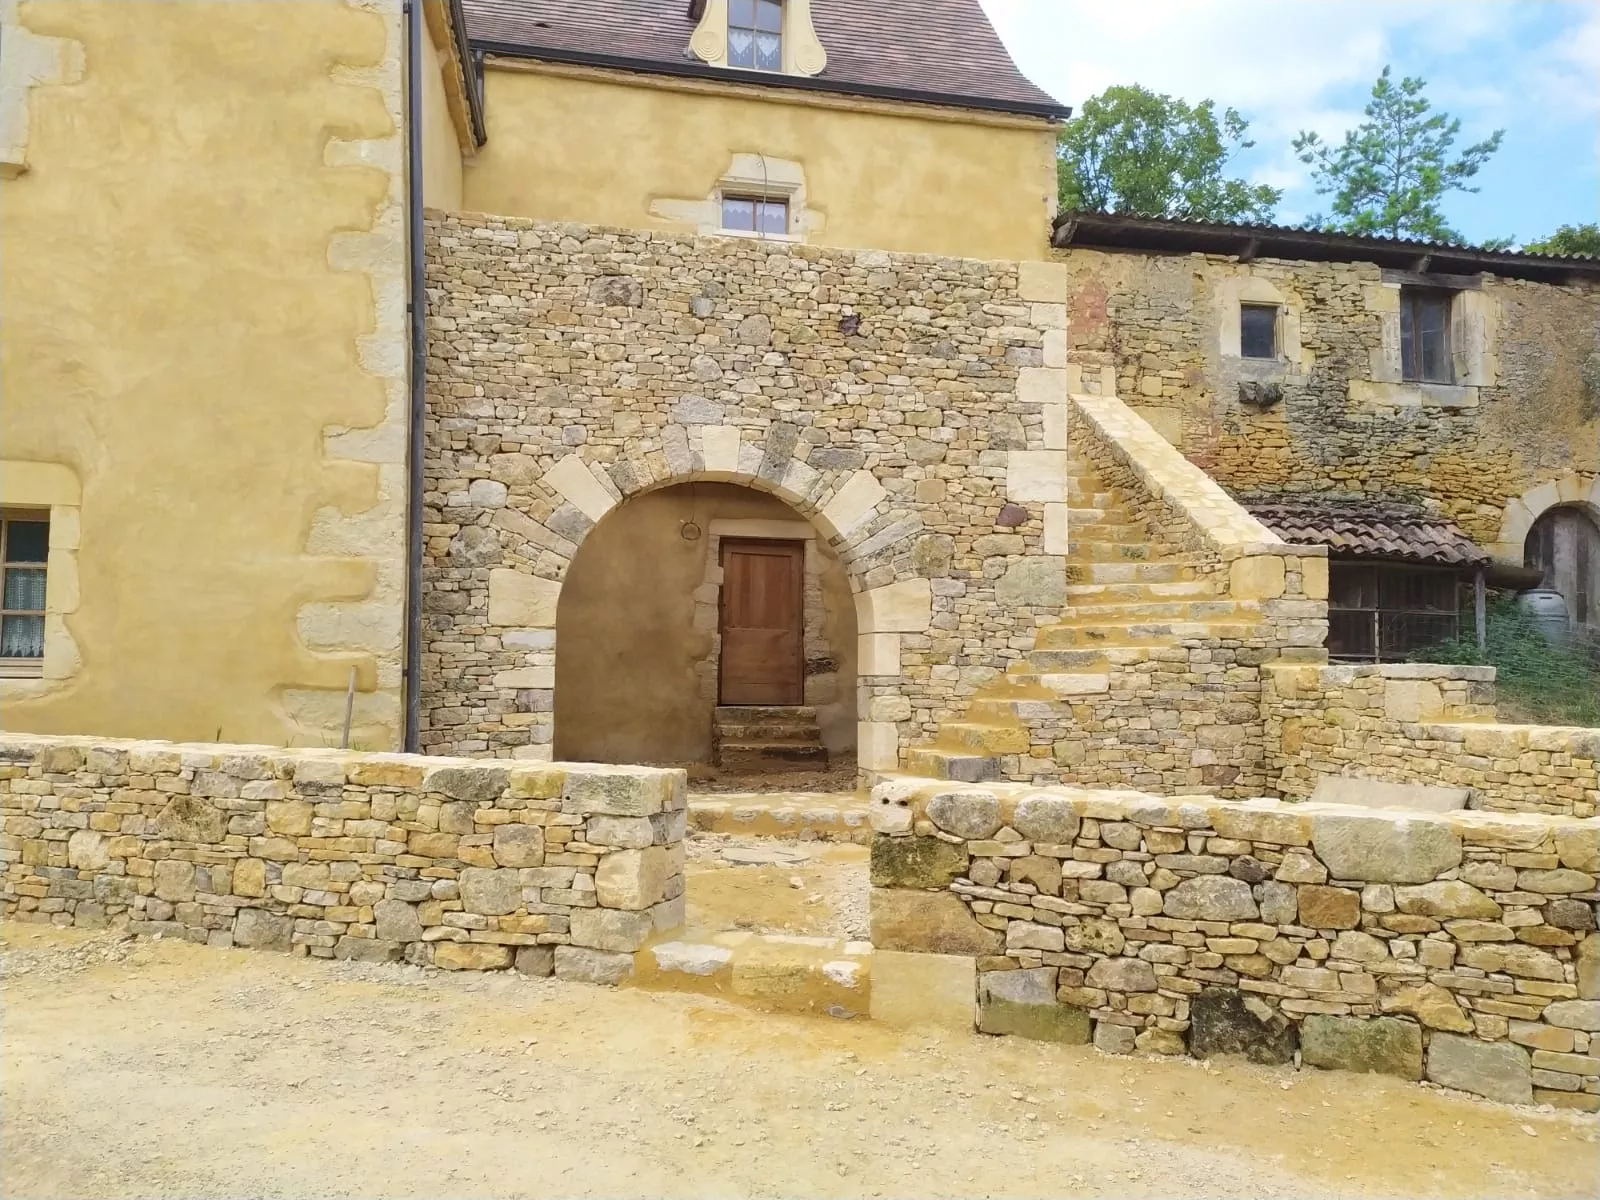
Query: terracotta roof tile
point(938, 48)
point(1368, 528)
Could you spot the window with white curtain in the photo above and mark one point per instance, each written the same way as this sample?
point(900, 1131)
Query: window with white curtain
point(755, 34)
point(24, 549)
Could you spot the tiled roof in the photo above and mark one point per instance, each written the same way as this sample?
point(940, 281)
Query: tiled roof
point(937, 50)
point(1124, 231)
point(1367, 528)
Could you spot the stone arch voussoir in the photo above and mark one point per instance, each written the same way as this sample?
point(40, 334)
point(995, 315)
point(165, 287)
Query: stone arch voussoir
point(1520, 512)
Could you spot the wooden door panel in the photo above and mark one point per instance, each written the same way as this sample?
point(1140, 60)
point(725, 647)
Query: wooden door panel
point(763, 587)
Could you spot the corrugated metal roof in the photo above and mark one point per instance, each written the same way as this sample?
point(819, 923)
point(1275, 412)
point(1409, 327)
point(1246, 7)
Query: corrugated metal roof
point(944, 49)
point(1367, 528)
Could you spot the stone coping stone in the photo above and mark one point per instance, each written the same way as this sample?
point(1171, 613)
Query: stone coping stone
point(1376, 793)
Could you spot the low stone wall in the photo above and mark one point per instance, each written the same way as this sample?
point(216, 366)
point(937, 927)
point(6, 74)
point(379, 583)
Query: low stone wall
point(462, 864)
point(1457, 947)
point(1422, 723)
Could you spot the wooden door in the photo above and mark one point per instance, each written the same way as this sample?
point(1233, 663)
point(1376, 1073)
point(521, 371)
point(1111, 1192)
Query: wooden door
point(763, 623)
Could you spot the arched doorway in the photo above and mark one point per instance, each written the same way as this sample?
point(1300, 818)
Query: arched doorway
point(692, 599)
point(1564, 543)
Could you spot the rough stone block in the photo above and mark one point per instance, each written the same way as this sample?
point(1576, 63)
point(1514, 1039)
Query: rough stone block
point(1385, 849)
point(916, 862)
point(475, 785)
point(260, 929)
point(972, 815)
point(1023, 1003)
point(633, 879)
point(593, 792)
point(397, 921)
point(522, 601)
point(934, 922)
point(1329, 907)
point(1381, 1045)
point(614, 929)
point(911, 990)
point(1496, 1070)
point(582, 964)
point(1223, 1021)
point(519, 845)
point(535, 960)
point(1211, 898)
point(356, 949)
point(1446, 898)
point(1258, 577)
point(471, 956)
point(489, 891)
point(1039, 581)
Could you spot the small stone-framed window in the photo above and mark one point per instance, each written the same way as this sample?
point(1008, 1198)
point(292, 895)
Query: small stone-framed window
point(753, 214)
point(1425, 355)
point(755, 34)
point(24, 552)
point(1258, 331)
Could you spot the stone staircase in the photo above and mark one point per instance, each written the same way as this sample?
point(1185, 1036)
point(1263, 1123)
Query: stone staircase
point(754, 740)
point(1128, 600)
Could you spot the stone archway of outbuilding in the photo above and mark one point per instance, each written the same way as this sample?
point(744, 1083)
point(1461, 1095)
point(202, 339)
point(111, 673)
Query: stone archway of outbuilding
point(1517, 518)
point(846, 506)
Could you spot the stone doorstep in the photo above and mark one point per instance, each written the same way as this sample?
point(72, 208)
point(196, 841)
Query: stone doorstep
point(772, 972)
point(808, 816)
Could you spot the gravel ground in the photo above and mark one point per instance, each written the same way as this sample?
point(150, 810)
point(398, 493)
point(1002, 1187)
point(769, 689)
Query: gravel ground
point(164, 1069)
point(776, 885)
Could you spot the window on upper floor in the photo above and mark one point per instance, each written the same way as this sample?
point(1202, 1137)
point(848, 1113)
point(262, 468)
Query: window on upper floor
point(752, 214)
point(1258, 330)
point(755, 34)
point(1425, 336)
point(24, 549)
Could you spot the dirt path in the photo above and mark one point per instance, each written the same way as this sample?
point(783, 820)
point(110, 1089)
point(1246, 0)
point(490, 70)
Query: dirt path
point(166, 1069)
point(775, 885)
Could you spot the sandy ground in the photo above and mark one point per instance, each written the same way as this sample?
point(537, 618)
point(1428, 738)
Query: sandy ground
point(817, 888)
point(156, 1069)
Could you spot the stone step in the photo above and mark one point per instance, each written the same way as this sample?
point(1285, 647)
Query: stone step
point(1072, 636)
point(1137, 592)
point(736, 713)
point(1089, 548)
point(969, 737)
point(933, 763)
point(1056, 661)
point(1165, 571)
point(1108, 531)
point(773, 972)
point(767, 731)
point(1152, 610)
point(807, 816)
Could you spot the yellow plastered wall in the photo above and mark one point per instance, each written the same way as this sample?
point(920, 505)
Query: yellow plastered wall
point(573, 146)
point(203, 291)
point(441, 152)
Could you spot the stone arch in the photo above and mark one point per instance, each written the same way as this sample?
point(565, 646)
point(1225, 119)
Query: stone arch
point(849, 506)
point(1517, 518)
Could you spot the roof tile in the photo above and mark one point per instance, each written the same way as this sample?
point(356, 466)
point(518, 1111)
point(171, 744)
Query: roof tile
point(1368, 528)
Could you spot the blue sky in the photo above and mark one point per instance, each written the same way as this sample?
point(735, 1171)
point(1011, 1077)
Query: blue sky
point(1531, 67)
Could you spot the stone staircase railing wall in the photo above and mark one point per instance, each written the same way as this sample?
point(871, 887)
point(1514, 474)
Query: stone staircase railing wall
point(462, 864)
point(1457, 947)
point(1426, 724)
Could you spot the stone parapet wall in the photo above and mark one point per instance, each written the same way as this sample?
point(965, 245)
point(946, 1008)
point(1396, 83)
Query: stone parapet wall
point(1458, 947)
point(1427, 724)
point(461, 864)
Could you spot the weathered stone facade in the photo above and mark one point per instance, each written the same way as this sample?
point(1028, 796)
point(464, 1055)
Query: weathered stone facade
point(1457, 947)
point(454, 863)
point(1424, 724)
point(1525, 417)
point(912, 408)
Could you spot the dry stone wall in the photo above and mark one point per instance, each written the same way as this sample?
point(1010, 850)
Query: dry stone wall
point(1426, 724)
point(912, 407)
point(1158, 326)
point(377, 857)
point(1457, 947)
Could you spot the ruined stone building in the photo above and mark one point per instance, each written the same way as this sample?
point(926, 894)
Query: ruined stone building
point(654, 380)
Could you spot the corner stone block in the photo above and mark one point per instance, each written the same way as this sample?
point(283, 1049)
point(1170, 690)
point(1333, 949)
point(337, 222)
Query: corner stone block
point(1379, 1045)
point(852, 504)
point(572, 478)
point(1056, 539)
point(1258, 577)
point(910, 990)
point(903, 607)
point(594, 792)
point(1055, 426)
point(1023, 1003)
point(1495, 1070)
point(521, 600)
point(878, 653)
point(1036, 476)
point(1412, 700)
point(632, 879)
point(1314, 577)
point(1041, 385)
point(877, 746)
point(1042, 282)
point(915, 862)
point(616, 930)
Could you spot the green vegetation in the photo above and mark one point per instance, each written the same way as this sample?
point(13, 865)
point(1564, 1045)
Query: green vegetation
point(1569, 239)
point(1538, 682)
point(1132, 151)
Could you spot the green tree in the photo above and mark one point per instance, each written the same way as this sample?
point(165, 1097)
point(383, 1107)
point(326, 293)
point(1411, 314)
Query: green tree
point(1569, 239)
point(1390, 172)
point(1132, 151)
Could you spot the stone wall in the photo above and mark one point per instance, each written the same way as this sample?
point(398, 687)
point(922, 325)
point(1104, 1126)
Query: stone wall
point(912, 408)
point(1457, 947)
point(1527, 418)
point(1427, 724)
point(461, 864)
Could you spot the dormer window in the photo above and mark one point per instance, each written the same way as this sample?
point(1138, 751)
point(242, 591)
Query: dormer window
point(755, 35)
